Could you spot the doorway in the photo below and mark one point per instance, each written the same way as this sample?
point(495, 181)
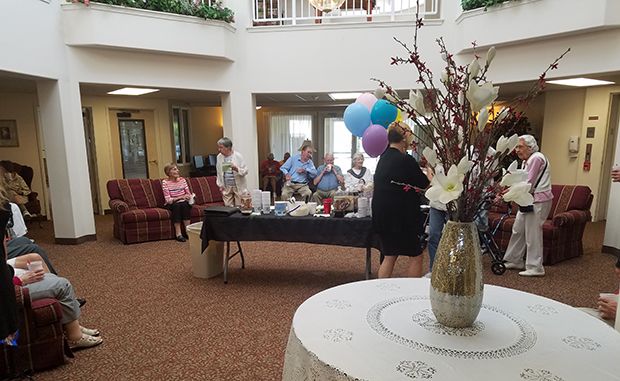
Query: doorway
point(91, 154)
point(133, 149)
point(611, 153)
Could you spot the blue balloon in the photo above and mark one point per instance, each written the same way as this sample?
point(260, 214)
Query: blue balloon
point(357, 118)
point(383, 113)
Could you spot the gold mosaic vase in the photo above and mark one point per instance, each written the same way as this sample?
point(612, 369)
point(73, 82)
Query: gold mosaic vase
point(456, 283)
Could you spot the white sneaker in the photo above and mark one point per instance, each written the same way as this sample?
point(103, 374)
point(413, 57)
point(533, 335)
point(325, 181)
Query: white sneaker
point(428, 275)
point(532, 272)
point(513, 266)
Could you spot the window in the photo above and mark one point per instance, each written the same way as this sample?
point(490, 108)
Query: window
point(180, 132)
point(287, 132)
point(340, 141)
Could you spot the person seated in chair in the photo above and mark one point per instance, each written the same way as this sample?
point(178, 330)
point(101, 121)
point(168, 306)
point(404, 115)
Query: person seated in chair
point(329, 178)
point(18, 244)
point(298, 171)
point(15, 186)
point(358, 177)
point(269, 171)
point(42, 284)
point(177, 196)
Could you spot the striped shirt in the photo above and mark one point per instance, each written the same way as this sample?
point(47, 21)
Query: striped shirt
point(174, 189)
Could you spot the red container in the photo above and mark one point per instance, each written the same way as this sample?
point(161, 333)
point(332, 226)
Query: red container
point(327, 205)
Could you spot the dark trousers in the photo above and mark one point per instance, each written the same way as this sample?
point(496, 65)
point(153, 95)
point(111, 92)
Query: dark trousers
point(23, 245)
point(180, 211)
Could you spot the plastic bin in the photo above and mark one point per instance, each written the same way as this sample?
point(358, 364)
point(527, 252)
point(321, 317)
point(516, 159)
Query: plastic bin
point(208, 264)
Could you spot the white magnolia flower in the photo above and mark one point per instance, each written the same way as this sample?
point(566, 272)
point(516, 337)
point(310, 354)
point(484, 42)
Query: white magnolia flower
point(483, 118)
point(474, 68)
point(444, 76)
point(519, 193)
point(430, 155)
point(481, 96)
point(503, 113)
point(379, 93)
point(416, 100)
point(490, 55)
point(506, 144)
point(464, 166)
point(514, 177)
point(513, 166)
point(446, 188)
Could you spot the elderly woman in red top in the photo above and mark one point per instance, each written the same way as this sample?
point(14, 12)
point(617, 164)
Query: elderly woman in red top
point(177, 196)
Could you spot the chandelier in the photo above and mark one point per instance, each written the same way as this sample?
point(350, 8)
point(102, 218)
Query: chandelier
point(326, 5)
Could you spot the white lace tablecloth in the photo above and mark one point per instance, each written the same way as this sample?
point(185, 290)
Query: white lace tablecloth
point(385, 330)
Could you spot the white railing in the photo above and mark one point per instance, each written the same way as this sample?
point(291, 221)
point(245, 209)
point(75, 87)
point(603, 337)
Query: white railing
point(301, 12)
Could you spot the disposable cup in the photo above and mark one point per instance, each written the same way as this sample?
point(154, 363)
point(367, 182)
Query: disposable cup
point(35, 266)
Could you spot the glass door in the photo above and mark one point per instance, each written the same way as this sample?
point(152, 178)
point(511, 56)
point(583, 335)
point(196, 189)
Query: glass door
point(133, 149)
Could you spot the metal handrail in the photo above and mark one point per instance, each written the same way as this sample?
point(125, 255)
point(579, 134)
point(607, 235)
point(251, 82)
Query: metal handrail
point(301, 12)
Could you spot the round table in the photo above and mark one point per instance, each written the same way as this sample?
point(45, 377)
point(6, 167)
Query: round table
point(384, 329)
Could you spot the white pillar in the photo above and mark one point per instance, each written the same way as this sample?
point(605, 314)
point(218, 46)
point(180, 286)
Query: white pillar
point(239, 114)
point(67, 163)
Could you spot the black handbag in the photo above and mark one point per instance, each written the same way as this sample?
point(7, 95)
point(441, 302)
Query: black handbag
point(220, 210)
point(530, 208)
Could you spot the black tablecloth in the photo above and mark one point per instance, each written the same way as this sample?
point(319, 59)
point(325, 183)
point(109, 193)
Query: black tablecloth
point(354, 232)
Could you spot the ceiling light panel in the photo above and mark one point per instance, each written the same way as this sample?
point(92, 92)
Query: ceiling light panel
point(132, 91)
point(580, 82)
point(341, 96)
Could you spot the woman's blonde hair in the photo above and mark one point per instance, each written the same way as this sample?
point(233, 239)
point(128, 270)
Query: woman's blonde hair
point(168, 167)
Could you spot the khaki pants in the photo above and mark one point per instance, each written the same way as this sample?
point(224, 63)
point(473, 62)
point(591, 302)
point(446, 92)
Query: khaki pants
point(289, 190)
point(231, 196)
point(527, 237)
point(319, 195)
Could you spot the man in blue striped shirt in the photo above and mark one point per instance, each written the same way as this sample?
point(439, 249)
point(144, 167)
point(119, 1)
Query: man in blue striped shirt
point(329, 178)
point(298, 171)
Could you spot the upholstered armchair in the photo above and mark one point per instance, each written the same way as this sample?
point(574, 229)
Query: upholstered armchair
point(41, 343)
point(563, 230)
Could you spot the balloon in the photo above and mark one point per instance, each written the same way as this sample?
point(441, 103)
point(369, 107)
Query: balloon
point(368, 100)
point(375, 140)
point(383, 113)
point(399, 116)
point(356, 118)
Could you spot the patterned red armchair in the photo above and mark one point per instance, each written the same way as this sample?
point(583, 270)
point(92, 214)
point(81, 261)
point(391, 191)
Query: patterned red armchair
point(41, 342)
point(138, 207)
point(563, 230)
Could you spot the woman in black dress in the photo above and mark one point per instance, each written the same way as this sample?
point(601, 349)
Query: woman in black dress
point(396, 212)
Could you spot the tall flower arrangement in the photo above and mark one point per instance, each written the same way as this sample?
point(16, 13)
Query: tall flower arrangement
point(471, 136)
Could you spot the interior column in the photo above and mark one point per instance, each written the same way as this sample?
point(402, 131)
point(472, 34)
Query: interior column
point(66, 160)
point(239, 114)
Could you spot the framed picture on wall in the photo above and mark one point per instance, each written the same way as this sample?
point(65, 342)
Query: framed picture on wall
point(8, 133)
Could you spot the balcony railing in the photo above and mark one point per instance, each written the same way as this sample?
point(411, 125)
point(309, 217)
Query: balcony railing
point(301, 12)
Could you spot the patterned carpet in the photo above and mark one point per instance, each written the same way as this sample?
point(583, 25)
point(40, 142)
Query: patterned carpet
point(160, 323)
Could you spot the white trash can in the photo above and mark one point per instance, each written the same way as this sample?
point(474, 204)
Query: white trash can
point(208, 264)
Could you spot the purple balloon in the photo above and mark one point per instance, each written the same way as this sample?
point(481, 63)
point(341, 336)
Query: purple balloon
point(375, 140)
point(367, 99)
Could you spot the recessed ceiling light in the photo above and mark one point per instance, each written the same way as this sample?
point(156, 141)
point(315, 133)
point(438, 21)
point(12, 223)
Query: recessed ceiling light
point(580, 82)
point(341, 96)
point(132, 91)
point(259, 107)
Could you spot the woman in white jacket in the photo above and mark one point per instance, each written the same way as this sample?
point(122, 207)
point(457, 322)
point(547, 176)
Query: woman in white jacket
point(231, 171)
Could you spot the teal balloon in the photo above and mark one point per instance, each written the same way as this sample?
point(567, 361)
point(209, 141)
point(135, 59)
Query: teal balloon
point(357, 118)
point(383, 113)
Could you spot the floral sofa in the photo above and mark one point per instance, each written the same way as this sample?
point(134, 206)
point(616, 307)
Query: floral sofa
point(138, 207)
point(563, 230)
